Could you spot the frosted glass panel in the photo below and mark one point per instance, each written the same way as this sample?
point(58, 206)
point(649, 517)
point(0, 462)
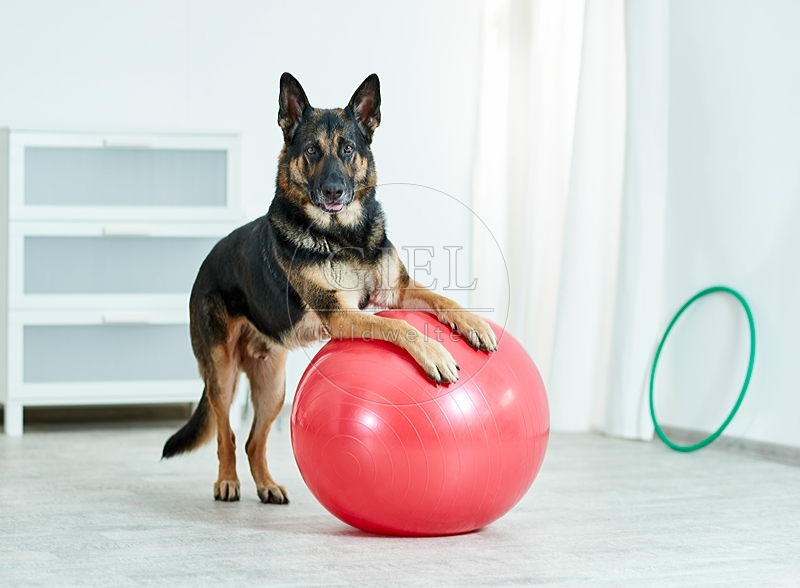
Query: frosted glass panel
point(107, 353)
point(85, 176)
point(113, 265)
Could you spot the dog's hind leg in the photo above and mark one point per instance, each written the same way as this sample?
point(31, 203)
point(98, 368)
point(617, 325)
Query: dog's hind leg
point(220, 387)
point(267, 376)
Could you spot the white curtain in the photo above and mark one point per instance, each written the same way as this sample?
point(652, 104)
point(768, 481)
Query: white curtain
point(575, 205)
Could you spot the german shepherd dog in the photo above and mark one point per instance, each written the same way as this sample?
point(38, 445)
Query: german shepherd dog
point(286, 279)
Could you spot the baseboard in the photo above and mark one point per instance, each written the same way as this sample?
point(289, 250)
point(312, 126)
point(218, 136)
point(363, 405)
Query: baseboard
point(769, 451)
point(56, 415)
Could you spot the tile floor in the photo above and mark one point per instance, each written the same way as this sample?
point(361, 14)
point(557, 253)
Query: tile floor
point(91, 504)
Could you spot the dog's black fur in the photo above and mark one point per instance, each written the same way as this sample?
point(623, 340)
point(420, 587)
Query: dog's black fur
point(288, 278)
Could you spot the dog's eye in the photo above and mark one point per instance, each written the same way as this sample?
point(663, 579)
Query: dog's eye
point(311, 150)
point(347, 148)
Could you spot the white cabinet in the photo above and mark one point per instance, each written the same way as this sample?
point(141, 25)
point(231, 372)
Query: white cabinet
point(101, 238)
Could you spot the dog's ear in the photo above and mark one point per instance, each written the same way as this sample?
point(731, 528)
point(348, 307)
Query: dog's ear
point(366, 106)
point(292, 104)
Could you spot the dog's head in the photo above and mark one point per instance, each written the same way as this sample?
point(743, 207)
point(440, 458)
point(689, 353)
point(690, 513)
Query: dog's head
point(326, 164)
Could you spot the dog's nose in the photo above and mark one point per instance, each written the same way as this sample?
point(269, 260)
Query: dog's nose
point(332, 191)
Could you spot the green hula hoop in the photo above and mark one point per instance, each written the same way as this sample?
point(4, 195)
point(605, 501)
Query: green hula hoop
point(711, 438)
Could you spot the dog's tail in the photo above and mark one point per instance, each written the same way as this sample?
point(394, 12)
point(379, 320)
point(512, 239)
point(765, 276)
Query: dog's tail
point(198, 430)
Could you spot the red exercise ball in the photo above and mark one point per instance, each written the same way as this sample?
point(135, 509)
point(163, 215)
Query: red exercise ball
point(387, 451)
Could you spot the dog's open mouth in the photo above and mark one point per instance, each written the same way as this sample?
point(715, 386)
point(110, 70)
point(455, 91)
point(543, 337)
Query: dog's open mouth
point(332, 207)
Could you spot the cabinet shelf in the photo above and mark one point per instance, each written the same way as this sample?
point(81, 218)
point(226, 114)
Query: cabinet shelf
point(88, 265)
point(82, 176)
point(103, 235)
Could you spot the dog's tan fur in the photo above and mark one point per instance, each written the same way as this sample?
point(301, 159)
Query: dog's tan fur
point(243, 317)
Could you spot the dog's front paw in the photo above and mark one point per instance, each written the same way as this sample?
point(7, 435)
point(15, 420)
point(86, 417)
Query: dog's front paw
point(474, 329)
point(437, 362)
point(226, 490)
point(273, 494)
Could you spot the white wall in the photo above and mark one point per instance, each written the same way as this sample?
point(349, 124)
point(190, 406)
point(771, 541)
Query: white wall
point(734, 179)
point(209, 65)
point(733, 214)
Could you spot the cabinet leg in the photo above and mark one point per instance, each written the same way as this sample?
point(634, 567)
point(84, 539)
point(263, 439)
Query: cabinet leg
point(12, 413)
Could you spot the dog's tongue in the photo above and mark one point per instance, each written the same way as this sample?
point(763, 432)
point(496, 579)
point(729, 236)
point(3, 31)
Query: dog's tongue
point(333, 206)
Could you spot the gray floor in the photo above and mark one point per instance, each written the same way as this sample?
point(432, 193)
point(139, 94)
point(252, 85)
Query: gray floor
point(91, 504)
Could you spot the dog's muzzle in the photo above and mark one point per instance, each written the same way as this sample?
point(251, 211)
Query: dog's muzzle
point(332, 197)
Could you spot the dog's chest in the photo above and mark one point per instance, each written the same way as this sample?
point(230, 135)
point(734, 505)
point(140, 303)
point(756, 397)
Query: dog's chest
point(353, 282)
point(359, 284)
